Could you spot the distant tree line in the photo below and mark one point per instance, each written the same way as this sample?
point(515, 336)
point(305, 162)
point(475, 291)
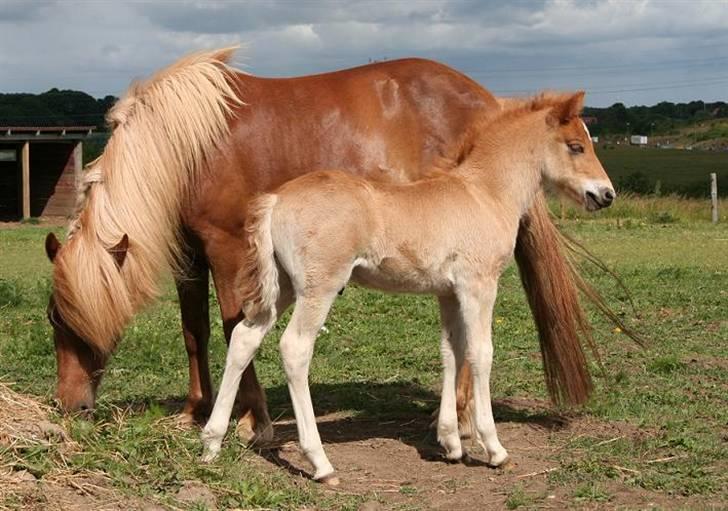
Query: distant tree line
point(664, 118)
point(54, 108)
point(75, 108)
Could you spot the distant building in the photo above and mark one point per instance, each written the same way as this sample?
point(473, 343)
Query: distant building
point(39, 167)
point(638, 140)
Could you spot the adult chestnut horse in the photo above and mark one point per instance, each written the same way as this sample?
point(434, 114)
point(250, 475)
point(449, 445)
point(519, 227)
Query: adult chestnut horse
point(194, 143)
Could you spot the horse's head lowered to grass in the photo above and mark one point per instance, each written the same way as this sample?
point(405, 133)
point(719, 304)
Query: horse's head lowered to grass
point(80, 363)
point(125, 232)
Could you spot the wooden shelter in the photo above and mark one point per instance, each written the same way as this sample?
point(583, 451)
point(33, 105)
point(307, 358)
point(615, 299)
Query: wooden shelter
point(39, 168)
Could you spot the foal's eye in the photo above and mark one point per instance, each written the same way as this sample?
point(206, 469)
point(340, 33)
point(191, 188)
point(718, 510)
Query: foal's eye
point(575, 147)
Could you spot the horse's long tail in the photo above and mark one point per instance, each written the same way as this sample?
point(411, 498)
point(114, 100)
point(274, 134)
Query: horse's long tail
point(259, 275)
point(550, 282)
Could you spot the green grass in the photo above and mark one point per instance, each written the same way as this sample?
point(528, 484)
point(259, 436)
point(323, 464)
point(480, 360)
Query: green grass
point(679, 171)
point(380, 359)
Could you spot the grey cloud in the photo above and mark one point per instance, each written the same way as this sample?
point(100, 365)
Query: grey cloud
point(510, 46)
point(14, 11)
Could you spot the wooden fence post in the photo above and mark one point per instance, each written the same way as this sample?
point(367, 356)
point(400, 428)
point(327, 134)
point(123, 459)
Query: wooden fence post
point(714, 196)
point(25, 180)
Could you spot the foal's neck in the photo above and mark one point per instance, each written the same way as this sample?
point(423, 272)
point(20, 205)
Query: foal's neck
point(506, 160)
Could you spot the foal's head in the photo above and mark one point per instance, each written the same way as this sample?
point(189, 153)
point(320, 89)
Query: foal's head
point(571, 165)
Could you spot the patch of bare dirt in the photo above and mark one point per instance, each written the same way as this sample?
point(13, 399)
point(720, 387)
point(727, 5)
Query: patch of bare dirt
point(398, 464)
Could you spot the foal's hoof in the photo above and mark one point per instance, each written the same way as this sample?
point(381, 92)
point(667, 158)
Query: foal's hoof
point(329, 480)
point(211, 444)
point(455, 455)
point(499, 459)
point(210, 453)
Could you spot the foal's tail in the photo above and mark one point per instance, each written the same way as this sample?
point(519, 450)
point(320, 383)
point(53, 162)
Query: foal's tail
point(258, 278)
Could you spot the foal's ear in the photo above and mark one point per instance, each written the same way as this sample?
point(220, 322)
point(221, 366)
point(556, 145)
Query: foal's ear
point(567, 109)
point(119, 251)
point(52, 246)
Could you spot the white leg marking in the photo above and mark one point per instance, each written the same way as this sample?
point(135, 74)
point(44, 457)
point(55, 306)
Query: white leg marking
point(244, 342)
point(447, 423)
point(477, 312)
point(297, 345)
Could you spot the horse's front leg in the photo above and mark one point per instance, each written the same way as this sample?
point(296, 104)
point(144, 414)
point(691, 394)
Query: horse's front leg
point(476, 306)
point(192, 289)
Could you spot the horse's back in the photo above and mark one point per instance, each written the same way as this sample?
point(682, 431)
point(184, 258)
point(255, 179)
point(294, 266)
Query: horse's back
point(387, 120)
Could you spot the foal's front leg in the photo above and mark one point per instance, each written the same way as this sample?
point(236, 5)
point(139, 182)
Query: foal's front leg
point(476, 305)
point(244, 342)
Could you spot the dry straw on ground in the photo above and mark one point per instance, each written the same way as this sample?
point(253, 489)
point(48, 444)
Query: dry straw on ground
point(25, 426)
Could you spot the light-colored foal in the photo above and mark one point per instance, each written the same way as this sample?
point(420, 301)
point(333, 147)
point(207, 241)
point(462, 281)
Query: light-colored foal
point(450, 236)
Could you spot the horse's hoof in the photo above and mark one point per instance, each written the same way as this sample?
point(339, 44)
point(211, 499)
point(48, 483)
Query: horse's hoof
point(254, 437)
point(264, 434)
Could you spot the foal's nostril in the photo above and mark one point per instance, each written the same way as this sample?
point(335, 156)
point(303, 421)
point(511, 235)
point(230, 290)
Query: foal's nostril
point(609, 195)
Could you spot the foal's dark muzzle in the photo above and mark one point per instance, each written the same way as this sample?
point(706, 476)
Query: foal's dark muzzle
point(603, 198)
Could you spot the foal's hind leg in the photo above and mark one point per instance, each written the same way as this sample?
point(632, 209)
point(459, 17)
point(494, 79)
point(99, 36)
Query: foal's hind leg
point(297, 345)
point(451, 347)
point(476, 305)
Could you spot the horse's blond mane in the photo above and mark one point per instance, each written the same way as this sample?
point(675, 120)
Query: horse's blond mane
point(164, 129)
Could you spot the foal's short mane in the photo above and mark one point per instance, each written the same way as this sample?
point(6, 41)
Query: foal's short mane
point(456, 153)
point(164, 129)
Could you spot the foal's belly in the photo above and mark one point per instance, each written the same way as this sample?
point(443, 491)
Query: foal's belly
point(395, 276)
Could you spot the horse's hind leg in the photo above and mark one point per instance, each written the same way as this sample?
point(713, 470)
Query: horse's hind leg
point(476, 305)
point(451, 347)
point(297, 345)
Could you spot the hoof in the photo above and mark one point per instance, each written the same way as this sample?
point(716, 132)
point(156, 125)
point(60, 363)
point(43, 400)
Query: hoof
point(210, 453)
point(208, 457)
point(499, 459)
point(211, 444)
point(252, 432)
point(455, 455)
point(185, 420)
point(329, 480)
point(254, 437)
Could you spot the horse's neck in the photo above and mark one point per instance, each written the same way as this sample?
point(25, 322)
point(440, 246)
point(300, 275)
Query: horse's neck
point(506, 161)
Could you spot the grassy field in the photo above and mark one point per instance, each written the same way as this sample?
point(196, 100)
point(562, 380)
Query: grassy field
point(679, 171)
point(654, 433)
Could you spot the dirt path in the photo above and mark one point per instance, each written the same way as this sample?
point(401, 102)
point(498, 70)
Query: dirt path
point(398, 464)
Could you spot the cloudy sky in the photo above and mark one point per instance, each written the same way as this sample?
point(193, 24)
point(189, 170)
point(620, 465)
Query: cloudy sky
point(633, 51)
